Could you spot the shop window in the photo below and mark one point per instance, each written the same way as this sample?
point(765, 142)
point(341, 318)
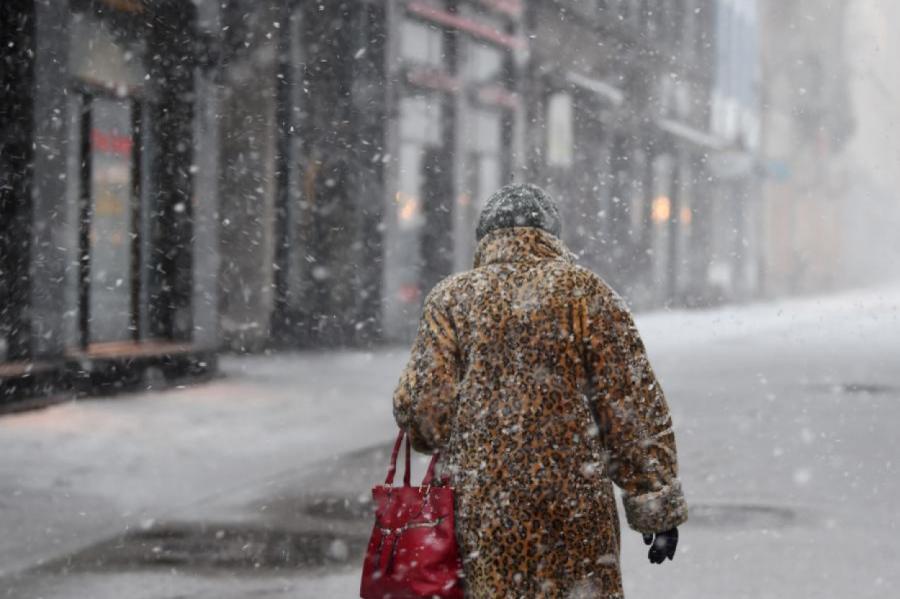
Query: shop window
point(108, 67)
point(483, 175)
point(483, 63)
point(421, 201)
point(421, 43)
point(420, 119)
point(485, 130)
point(560, 134)
point(109, 241)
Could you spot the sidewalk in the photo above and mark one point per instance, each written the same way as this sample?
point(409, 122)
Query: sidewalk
point(79, 472)
point(298, 534)
point(784, 412)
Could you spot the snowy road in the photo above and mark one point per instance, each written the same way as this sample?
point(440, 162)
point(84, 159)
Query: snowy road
point(786, 416)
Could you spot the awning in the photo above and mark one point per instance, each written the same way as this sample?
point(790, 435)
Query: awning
point(608, 92)
point(691, 135)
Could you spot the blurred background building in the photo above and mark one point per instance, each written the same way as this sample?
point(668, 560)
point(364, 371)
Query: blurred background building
point(808, 120)
point(644, 120)
point(183, 177)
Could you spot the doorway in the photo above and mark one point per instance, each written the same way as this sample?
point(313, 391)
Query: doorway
point(110, 218)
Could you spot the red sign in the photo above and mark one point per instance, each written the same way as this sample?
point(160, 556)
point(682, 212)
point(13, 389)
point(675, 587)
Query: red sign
point(111, 143)
point(480, 30)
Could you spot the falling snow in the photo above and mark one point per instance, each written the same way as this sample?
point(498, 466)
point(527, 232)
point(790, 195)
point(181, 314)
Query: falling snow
point(227, 216)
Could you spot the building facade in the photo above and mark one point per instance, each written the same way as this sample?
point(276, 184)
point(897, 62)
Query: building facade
point(389, 124)
point(107, 204)
point(644, 123)
point(183, 177)
point(454, 117)
point(735, 245)
point(808, 120)
point(378, 128)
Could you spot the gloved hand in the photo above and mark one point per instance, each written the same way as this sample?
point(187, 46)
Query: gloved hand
point(663, 546)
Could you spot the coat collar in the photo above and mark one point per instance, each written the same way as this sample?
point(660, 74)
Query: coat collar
point(520, 244)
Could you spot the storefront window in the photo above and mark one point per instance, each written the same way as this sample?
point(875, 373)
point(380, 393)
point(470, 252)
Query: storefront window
point(419, 182)
point(433, 215)
point(108, 67)
point(484, 165)
point(421, 43)
point(420, 119)
point(483, 69)
point(484, 130)
point(560, 134)
point(111, 226)
point(483, 63)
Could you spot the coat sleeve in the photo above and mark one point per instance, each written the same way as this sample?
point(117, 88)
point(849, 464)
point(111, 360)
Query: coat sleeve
point(633, 419)
point(427, 389)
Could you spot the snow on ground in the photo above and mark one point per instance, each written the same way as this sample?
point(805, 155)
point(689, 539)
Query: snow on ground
point(97, 464)
point(785, 413)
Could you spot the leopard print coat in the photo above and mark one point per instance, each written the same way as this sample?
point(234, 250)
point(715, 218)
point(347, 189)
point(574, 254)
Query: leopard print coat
point(529, 376)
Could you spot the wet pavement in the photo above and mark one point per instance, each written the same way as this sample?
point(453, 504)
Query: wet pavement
point(258, 485)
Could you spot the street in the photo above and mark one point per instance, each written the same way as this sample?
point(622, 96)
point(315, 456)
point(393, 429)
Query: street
point(785, 415)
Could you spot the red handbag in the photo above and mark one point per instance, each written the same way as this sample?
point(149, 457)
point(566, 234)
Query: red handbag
point(412, 552)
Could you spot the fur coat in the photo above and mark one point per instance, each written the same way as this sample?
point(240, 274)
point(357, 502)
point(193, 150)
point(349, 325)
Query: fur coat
point(529, 377)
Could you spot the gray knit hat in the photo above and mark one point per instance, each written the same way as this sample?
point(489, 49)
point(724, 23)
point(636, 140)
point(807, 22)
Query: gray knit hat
point(519, 205)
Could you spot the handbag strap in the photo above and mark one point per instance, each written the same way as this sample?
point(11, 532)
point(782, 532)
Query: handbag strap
point(392, 469)
point(429, 474)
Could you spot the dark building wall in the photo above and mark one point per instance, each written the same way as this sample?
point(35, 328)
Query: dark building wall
point(302, 147)
point(33, 239)
point(332, 173)
point(172, 52)
point(50, 227)
point(335, 184)
point(17, 28)
point(247, 185)
point(370, 97)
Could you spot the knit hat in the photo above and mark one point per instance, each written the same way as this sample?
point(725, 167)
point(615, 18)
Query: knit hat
point(519, 205)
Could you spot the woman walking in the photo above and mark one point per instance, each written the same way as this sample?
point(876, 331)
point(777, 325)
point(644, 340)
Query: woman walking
point(529, 377)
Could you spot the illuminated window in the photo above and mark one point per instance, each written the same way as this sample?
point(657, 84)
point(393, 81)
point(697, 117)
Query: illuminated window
point(661, 209)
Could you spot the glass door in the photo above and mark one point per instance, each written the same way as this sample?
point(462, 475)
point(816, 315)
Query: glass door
point(109, 235)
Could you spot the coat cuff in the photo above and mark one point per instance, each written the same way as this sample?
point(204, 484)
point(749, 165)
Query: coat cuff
point(656, 511)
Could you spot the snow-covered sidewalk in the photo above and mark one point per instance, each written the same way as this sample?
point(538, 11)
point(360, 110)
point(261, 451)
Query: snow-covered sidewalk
point(785, 414)
point(79, 471)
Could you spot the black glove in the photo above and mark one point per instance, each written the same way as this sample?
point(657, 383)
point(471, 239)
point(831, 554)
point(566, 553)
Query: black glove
point(663, 546)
